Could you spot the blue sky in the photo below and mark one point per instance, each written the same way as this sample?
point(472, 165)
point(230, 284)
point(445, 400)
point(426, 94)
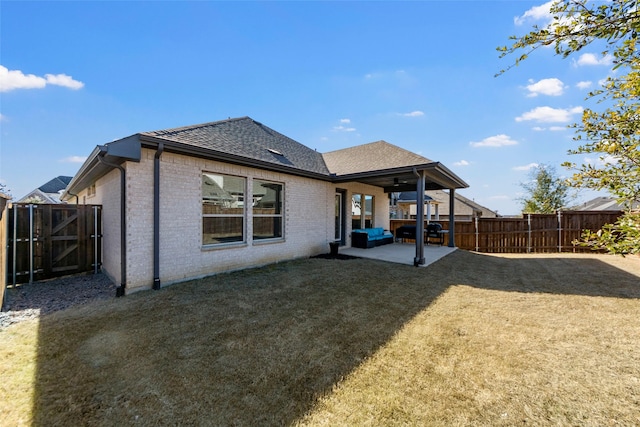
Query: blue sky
point(330, 75)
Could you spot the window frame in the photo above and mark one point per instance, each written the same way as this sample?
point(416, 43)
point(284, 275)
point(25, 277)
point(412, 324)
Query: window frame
point(279, 215)
point(362, 218)
point(242, 215)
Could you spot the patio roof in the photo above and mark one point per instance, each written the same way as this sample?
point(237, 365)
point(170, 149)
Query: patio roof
point(388, 166)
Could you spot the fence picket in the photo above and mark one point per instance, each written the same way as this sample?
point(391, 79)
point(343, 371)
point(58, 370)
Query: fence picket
point(52, 240)
point(533, 233)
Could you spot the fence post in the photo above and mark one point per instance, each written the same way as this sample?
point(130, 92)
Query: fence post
point(528, 233)
point(30, 242)
point(559, 231)
point(15, 242)
point(477, 247)
point(95, 240)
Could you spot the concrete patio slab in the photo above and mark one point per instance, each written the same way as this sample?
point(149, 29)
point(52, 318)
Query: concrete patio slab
point(400, 253)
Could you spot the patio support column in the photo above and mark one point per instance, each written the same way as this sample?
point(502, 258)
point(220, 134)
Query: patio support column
point(419, 258)
point(452, 216)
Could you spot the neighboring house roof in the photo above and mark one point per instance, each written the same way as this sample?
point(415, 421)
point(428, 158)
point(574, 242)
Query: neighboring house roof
point(246, 142)
point(412, 196)
point(56, 185)
point(463, 206)
point(371, 157)
point(49, 192)
point(603, 204)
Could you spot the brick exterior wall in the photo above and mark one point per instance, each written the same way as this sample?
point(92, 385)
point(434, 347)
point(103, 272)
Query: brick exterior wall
point(308, 220)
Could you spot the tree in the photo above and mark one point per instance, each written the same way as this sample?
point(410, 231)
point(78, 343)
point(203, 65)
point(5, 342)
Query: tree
point(546, 192)
point(4, 190)
point(613, 133)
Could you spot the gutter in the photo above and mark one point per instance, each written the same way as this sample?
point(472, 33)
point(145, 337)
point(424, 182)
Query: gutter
point(120, 290)
point(156, 216)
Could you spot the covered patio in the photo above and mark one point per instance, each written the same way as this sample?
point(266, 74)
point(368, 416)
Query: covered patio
point(396, 170)
point(400, 253)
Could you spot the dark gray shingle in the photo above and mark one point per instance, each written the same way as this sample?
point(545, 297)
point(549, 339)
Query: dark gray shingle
point(244, 137)
point(56, 184)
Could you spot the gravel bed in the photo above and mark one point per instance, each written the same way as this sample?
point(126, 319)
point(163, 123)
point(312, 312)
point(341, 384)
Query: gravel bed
point(32, 300)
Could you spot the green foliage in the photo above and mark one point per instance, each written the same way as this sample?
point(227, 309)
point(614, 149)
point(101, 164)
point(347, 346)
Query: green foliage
point(4, 189)
point(546, 193)
point(612, 134)
point(620, 238)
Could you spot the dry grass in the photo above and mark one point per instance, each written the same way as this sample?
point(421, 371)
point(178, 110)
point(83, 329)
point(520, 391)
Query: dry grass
point(471, 340)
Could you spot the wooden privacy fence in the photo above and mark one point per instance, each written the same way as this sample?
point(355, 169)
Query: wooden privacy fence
point(531, 233)
point(45, 241)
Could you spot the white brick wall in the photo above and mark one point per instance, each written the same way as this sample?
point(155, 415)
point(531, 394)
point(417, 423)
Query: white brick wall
point(108, 195)
point(308, 215)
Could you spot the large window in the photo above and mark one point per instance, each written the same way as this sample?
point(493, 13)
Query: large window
point(267, 210)
point(223, 209)
point(362, 212)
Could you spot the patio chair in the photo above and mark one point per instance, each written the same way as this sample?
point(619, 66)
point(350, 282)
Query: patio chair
point(434, 232)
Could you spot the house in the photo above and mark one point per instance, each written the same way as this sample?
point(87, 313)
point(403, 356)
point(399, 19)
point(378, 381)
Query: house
point(198, 200)
point(603, 204)
point(438, 206)
point(47, 193)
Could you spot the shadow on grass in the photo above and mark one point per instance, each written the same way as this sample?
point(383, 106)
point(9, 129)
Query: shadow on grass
point(259, 347)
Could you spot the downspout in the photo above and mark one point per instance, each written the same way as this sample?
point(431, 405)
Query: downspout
point(120, 290)
point(74, 195)
point(156, 216)
point(419, 258)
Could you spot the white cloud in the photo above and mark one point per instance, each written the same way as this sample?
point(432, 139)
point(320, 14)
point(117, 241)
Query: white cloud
point(3, 117)
point(343, 129)
point(526, 167)
point(494, 141)
point(601, 161)
point(16, 79)
point(345, 120)
point(592, 59)
point(536, 13)
point(461, 163)
point(549, 115)
point(74, 159)
point(550, 128)
point(64, 81)
point(551, 87)
point(584, 85)
point(416, 113)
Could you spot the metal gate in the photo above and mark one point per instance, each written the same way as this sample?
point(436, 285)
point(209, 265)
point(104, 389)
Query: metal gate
point(46, 241)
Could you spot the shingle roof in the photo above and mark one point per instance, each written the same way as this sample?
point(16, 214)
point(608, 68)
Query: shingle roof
point(246, 138)
point(378, 155)
point(56, 184)
point(463, 205)
point(603, 204)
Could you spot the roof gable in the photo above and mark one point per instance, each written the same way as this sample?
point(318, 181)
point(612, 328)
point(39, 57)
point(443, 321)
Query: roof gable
point(377, 155)
point(246, 138)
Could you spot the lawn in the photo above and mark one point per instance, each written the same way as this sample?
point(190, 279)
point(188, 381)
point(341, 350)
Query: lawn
point(471, 340)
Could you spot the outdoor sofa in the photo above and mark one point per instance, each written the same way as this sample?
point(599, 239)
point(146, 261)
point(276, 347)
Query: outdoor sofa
point(369, 237)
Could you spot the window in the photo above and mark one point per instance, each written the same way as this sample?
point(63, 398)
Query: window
point(362, 214)
point(223, 209)
point(267, 210)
